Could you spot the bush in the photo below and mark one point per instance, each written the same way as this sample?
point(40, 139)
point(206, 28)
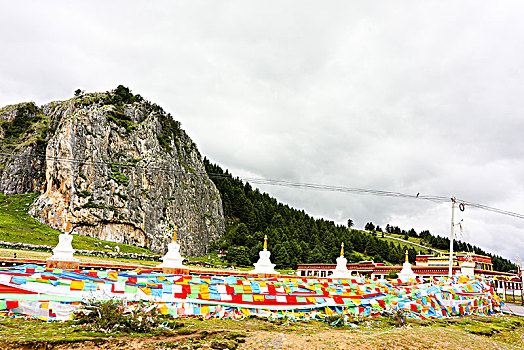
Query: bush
point(238, 256)
point(336, 320)
point(83, 193)
point(91, 204)
point(394, 317)
point(116, 316)
point(26, 116)
point(393, 274)
point(119, 118)
point(116, 175)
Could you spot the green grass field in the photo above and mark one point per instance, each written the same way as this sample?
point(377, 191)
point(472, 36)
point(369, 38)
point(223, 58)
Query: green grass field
point(497, 332)
point(405, 245)
point(17, 226)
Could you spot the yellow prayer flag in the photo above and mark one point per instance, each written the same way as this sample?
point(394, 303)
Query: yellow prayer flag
point(146, 290)
point(77, 285)
point(164, 309)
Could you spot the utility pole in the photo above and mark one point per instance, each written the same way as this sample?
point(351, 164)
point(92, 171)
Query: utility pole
point(453, 201)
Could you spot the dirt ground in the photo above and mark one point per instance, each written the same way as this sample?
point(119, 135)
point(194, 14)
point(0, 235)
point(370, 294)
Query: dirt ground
point(256, 335)
point(392, 339)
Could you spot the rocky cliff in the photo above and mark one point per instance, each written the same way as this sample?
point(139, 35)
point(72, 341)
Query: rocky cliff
point(116, 167)
point(24, 131)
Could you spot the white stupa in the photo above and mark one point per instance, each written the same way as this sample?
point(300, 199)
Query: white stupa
point(263, 265)
point(172, 261)
point(341, 271)
point(63, 253)
point(406, 272)
point(467, 268)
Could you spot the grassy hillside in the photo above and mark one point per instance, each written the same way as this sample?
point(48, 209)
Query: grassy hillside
point(17, 226)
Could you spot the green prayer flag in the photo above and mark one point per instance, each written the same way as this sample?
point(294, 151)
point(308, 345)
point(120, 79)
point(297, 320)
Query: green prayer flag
point(131, 289)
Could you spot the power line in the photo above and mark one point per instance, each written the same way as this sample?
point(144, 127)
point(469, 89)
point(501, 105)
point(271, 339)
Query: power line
point(491, 209)
point(273, 182)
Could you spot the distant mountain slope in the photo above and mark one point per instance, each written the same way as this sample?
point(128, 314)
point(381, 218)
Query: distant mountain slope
point(295, 237)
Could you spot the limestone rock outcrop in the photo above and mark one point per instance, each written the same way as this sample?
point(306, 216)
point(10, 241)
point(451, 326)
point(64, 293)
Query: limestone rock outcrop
point(23, 136)
point(119, 168)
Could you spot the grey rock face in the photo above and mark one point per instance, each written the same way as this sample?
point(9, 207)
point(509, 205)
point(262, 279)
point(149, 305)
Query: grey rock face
point(123, 172)
point(23, 134)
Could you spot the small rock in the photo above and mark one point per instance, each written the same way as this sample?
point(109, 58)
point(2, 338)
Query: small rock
point(223, 344)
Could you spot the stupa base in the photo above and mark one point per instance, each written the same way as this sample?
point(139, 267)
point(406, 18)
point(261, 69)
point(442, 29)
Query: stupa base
point(175, 270)
point(63, 264)
point(340, 276)
point(267, 275)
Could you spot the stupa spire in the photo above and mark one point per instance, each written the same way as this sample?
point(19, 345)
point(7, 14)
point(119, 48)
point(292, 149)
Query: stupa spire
point(175, 233)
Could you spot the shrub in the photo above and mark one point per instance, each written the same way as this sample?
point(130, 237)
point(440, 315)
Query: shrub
point(238, 256)
point(26, 116)
point(121, 119)
point(91, 204)
point(336, 320)
point(122, 196)
point(393, 274)
point(83, 193)
point(118, 176)
point(116, 316)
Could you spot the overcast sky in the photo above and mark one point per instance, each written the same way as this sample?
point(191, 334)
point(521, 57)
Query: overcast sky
point(406, 96)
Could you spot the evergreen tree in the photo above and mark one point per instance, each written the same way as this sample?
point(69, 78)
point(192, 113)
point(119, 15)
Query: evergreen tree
point(316, 256)
point(238, 256)
point(412, 255)
point(254, 252)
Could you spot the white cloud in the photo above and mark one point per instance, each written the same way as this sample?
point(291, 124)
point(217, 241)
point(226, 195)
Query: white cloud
point(407, 96)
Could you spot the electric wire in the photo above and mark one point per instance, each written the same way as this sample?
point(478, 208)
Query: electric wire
point(273, 182)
